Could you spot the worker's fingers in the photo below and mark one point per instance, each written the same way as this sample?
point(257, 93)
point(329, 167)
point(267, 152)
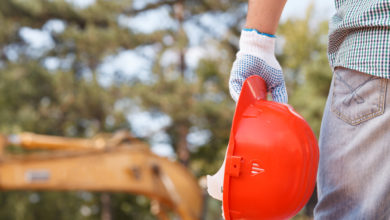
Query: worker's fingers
point(279, 93)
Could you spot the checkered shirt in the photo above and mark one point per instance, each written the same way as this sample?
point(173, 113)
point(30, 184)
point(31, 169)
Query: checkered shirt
point(359, 36)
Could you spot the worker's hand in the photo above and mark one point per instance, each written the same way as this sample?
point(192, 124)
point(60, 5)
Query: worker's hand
point(257, 57)
point(215, 182)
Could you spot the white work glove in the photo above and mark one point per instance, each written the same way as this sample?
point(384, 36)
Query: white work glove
point(215, 183)
point(256, 57)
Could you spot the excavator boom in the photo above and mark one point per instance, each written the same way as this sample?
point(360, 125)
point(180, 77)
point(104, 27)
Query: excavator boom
point(127, 167)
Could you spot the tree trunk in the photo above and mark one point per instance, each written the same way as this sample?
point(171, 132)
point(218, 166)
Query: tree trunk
point(182, 129)
point(105, 200)
point(179, 14)
point(182, 148)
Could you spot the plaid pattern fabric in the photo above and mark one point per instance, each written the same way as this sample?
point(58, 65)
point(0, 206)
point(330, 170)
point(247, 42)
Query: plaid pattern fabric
point(359, 36)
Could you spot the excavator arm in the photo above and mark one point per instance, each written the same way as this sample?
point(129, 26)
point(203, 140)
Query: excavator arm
point(102, 164)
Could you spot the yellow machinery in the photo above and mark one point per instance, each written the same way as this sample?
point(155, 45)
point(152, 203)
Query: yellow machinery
point(117, 163)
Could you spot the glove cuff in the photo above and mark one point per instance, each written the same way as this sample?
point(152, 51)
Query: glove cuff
point(258, 45)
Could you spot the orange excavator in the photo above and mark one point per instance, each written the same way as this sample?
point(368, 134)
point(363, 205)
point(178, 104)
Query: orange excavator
point(110, 163)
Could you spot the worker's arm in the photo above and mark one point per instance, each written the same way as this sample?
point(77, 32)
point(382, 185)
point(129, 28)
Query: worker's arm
point(256, 55)
point(264, 15)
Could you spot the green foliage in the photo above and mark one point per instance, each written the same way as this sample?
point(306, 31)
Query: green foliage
point(304, 61)
point(71, 100)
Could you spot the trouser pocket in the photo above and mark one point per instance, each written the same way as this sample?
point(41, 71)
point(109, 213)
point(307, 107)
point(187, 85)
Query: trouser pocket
point(357, 97)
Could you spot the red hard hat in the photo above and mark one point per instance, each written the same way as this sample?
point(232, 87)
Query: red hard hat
point(272, 158)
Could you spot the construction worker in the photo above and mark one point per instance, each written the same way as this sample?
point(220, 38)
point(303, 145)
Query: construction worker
point(354, 170)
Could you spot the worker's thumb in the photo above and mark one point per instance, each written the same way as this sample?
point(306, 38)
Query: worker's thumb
point(215, 183)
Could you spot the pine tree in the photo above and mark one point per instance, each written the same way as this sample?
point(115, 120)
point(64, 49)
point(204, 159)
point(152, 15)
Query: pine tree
point(72, 100)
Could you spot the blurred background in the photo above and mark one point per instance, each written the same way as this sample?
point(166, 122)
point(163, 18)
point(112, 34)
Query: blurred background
point(158, 68)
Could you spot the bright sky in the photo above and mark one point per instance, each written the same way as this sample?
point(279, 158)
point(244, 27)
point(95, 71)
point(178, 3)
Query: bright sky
point(323, 8)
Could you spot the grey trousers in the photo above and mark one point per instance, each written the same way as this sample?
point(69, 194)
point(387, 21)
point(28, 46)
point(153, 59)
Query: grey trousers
point(354, 169)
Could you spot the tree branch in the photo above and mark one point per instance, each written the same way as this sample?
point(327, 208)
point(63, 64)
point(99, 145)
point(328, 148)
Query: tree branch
point(131, 11)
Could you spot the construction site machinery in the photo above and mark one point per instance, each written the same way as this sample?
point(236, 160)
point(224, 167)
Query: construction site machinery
point(106, 163)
